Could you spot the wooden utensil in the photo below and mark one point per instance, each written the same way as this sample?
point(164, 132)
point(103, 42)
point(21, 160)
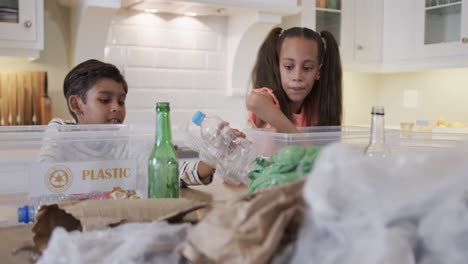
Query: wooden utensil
point(37, 94)
point(28, 98)
point(23, 98)
point(12, 80)
point(46, 113)
point(3, 100)
point(20, 98)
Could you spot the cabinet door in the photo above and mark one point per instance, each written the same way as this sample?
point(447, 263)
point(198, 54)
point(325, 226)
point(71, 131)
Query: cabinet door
point(328, 17)
point(368, 30)
point(362, 35)
point(338, 18)
point(442, 28)
point(18, 20)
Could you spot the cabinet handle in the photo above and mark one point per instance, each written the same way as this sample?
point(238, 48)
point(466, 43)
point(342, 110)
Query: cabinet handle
point(464, 40)
point(27, 24)
point(360, 47)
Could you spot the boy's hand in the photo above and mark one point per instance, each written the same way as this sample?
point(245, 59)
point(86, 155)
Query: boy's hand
point(238, 133)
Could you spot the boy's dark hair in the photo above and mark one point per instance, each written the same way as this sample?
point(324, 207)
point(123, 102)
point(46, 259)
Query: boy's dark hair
point(325, 99)
point(85, 75)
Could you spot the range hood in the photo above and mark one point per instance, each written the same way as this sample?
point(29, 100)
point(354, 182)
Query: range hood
point(248, 23)
point(214, 7)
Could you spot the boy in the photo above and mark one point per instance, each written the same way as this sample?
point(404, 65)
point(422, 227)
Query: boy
point(95, 92)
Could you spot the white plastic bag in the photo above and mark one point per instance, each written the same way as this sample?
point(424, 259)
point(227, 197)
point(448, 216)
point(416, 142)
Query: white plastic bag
point(445, 229)
point(368, 211)
point(132, 243)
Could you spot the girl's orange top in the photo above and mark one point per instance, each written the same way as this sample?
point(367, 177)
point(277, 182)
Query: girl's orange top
point(299, 120)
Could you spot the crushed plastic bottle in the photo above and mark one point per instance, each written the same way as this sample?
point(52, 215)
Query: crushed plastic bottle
point(26, 213)
point(220, 148)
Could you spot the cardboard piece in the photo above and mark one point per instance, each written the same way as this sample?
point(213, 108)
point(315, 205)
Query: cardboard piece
point(248, 230)
point(18, 238)
point(16, 245)
point(98, 214)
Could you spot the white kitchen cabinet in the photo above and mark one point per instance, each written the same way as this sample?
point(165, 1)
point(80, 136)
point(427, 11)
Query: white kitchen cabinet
point(368, 30)
point(398, 35)
point(425, 35)
point(22, 28)
point(392, 35)
point(362, 34)
point(356, 25)
point(329, 18)
point(441, 28)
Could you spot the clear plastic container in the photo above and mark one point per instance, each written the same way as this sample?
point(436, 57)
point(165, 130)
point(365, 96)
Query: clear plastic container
point(23, 148)
point(406, 129)
point(423, 126)
point(267, 142)
point(421, 143)
point(20, 149)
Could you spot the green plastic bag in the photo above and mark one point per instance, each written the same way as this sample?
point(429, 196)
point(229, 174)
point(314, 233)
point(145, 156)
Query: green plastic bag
point(289, 164)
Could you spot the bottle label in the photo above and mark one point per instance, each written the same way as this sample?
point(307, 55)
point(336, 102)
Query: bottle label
point(82, 177)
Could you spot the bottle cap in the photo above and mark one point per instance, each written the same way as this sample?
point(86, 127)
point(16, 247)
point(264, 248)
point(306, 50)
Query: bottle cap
point(25, 214)
point(198, 118)
point(378, 110)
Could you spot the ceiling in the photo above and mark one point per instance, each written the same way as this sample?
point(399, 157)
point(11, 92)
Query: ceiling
point(195, 7)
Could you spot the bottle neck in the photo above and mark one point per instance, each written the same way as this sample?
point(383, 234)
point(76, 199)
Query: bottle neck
point(377, 129)
point(163, 128)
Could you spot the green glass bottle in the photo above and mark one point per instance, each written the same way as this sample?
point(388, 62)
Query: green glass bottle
point(163, 166)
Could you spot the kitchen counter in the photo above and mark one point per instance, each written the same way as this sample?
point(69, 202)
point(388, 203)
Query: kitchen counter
point(16, 236)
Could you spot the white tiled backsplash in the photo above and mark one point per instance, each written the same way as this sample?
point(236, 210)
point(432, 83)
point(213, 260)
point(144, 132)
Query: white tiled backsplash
point(173, 58)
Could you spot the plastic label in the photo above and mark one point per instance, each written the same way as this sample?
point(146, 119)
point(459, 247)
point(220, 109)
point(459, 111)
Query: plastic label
point(82, 177)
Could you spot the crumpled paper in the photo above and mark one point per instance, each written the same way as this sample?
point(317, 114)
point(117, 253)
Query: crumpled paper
point(249, 230)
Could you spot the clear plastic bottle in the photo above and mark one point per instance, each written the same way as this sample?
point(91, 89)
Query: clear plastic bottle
point(221, 148)
point(26, 213)
point(377, 146)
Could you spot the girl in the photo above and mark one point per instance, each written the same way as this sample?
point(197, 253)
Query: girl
point(297, 81)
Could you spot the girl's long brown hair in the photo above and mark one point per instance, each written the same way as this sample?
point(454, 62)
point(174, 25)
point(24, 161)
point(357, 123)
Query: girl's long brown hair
point(325, 99)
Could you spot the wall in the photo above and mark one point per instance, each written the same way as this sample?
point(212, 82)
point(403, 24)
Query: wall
point(407, 97)
point(53, 59)
point(173, 58)
point(435, 94)
point(360, 93)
